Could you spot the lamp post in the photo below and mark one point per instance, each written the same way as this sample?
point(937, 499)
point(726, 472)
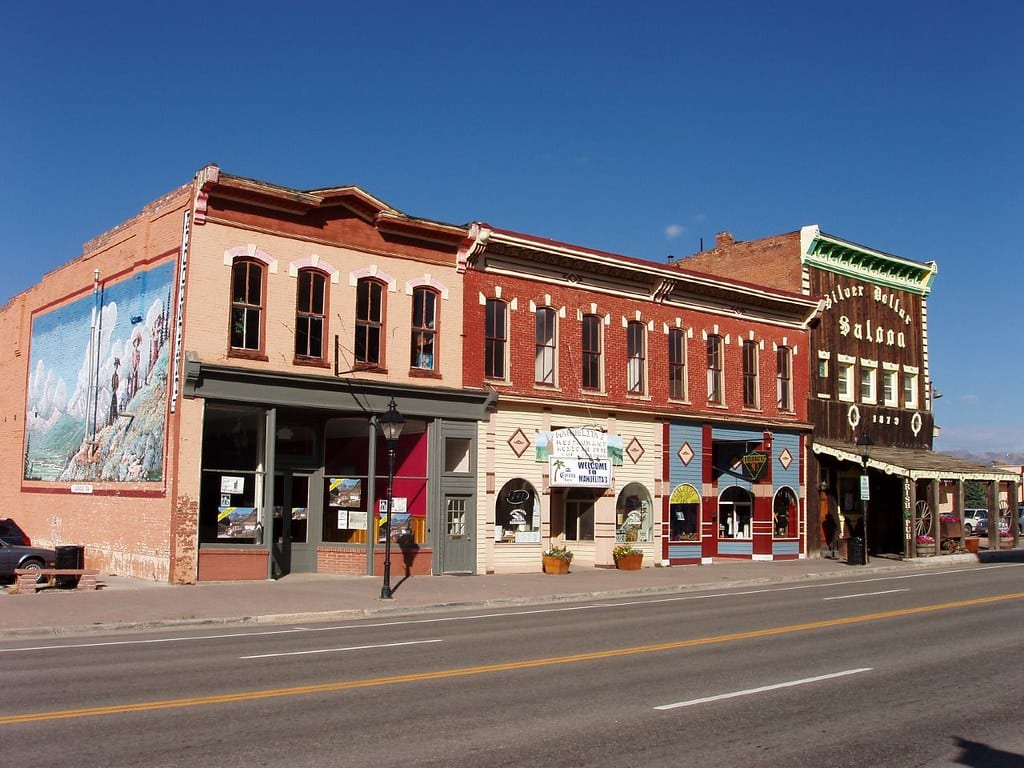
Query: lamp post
point(864, 441)
point(391, 424)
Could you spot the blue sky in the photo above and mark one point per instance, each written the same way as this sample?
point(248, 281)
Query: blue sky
point(638, 128)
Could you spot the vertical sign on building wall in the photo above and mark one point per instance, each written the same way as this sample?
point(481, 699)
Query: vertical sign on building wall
point(183, 266)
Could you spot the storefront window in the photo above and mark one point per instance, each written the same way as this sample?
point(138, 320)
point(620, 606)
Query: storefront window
point(633, 514)
point(735, 508)
point(684, 514)
point(345, 481)
point(409, 490)
point(231, 486)
point(784, 513)
point(517, 514)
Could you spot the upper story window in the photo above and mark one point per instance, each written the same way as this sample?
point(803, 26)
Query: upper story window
point(424, 329)
point(544, 368)
point(716, 370)
point(369, 322)
point(636, 351)
point(247, 297)
point(890, 387)
point(677, 364)
point(784, 378)
point(868, 382)
point(591, 343)
point(310, 314)
point(844, 379)
point(751, 382)
point(910, 388)
point(496, 339)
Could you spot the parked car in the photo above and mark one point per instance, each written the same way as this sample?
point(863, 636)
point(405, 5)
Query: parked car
point(976, 522)
point(11, 532)
point(19, 556)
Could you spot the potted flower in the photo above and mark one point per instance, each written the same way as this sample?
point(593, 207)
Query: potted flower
point(925, 544)
point(556, 559)
point(627, 557)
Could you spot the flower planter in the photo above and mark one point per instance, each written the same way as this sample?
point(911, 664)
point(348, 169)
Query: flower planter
point(972, 543)
point(555, 565)
point(629, 562)
point(925, 550)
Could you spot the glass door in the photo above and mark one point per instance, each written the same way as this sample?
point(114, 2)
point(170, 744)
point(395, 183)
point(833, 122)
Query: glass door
point(296, 520)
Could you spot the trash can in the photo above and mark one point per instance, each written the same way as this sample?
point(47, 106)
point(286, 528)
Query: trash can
point(69, 556)
point(855, 551)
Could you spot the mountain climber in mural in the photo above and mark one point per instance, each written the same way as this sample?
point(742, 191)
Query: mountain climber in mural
point(154, 346)
point(114, 383)
point(133, 374)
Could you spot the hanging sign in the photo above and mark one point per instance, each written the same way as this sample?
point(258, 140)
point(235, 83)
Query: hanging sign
point(754, 462)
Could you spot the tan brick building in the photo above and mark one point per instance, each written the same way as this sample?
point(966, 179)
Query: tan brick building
point(196, 396)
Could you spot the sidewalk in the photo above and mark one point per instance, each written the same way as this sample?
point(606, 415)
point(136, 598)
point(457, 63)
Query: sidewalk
point(126, 603)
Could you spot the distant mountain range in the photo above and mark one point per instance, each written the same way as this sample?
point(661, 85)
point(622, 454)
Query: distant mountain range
point(987, 458)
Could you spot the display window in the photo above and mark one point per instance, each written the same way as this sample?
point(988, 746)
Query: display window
point(634, 519)
point(684, 514)
point(517, 513)
point(231, 485)
point(785, 513)
point(735, 510)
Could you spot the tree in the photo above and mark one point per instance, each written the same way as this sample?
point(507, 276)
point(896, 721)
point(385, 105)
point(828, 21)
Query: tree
point(976, 494)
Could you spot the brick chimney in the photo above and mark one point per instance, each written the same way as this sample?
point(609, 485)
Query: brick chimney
point(724, 239)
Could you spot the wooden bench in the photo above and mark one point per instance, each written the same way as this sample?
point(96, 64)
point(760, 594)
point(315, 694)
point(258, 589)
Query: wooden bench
point(28, 578)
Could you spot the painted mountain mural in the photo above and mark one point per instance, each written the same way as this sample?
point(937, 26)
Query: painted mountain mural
point(97, 396)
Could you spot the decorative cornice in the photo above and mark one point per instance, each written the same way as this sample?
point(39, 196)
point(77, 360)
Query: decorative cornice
point(851, 260)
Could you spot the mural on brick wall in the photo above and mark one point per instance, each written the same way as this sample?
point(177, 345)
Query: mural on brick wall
point(97, 395)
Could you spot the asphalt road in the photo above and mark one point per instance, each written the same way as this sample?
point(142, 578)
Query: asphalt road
point(921, 669)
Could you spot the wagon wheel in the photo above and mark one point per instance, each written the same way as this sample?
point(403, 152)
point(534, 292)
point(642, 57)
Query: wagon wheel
point(923, 521)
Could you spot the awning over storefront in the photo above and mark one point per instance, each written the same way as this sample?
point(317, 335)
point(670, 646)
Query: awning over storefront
point(912, 463)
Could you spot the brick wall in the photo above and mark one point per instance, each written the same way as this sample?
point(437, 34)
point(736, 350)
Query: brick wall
point(124, 526)
point(618, 310)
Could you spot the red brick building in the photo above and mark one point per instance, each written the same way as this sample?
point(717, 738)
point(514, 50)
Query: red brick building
point(637, 404)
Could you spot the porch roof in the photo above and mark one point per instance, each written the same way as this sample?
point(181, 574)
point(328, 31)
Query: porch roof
point(913, 463)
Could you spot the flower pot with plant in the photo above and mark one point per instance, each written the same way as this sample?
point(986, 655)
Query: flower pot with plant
point(556, 559)
point(627, 557)
point(925, 545)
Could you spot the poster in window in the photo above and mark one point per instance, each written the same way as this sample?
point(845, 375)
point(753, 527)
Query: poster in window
point(346, 492)
point(356, 520)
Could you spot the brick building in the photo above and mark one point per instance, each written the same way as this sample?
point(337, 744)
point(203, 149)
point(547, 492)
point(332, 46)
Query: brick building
point(636, 403)
point(196, 396)
point(870, 389)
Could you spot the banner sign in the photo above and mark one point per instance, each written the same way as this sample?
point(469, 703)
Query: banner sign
point(571, 472)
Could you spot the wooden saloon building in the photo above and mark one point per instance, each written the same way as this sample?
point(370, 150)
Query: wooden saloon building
point(870, 394)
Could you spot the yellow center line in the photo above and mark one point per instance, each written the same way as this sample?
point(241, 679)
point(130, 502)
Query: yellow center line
point(302, 690)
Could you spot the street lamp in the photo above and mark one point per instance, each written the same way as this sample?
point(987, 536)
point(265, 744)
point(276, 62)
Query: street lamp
point(391, 424)
point(864, 441)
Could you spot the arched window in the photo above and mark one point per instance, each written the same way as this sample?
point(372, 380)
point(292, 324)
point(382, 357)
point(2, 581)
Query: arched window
point(369, 322)
point(684, 514)
point(310, 315)
point(517, 513)
point(784, 513)
point(247, 296)
point(735, 509)
point(634, 518)
point(424, 329)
